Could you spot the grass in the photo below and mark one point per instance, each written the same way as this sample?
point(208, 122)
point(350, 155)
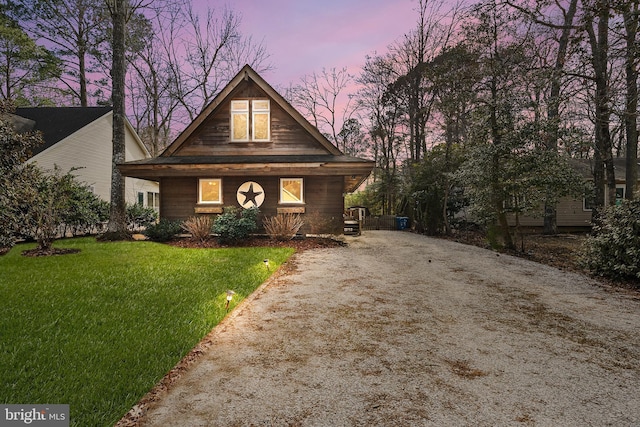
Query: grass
point(99, 328)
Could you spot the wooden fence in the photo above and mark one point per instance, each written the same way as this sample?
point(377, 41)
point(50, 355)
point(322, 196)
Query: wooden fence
point(384, 222)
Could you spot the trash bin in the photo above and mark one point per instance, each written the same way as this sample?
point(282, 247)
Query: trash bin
point(402, 222)
point(352, 227)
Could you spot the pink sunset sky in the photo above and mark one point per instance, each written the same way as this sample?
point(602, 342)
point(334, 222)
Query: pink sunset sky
point(303, 36)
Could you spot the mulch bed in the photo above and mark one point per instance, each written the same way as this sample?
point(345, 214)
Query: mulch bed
point(299, 244)
point(49, 252)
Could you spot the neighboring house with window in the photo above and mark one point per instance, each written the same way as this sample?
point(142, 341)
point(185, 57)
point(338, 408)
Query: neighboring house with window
point(575, 213)
point(81, 138)
point(250, 148)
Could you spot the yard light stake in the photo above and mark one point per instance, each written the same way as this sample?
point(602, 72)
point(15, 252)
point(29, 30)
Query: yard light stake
point(266, 263)
point(229, 297)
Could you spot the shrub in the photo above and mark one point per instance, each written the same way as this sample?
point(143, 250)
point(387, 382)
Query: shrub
point(199, 227)
point(138, 216)
point(15, 177)
point(319, 223)
point(163, 231)
point(48, 201)
point(87, 212)
point(283, 226)
point(232, 227)
point(613, 249)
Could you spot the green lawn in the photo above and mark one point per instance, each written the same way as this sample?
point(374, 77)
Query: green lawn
point(98, 329)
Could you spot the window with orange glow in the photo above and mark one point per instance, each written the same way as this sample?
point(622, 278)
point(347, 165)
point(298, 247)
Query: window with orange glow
point(210, 191)
point(291, 190)
point(250, 121)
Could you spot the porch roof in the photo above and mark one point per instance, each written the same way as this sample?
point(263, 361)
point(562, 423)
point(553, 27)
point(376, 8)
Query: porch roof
point(353, 169)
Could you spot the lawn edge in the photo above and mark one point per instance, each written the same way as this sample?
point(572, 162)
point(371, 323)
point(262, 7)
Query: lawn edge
point(136, 414)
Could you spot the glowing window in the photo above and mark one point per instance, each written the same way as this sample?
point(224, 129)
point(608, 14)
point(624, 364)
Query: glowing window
point(260, 120)
point(257, 119)
point(210, 191)
point(239, 120)
point(291, 190)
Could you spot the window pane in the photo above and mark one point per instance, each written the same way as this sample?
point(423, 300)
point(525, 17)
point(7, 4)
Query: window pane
point(239, 105)
point(153, 199)
point(291, 190)
point(210, 191)
point(619, 195)
point(261, 105)
point(240, 122)
point(261, 126)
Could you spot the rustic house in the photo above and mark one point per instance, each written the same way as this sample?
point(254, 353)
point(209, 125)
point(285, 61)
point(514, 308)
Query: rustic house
point(250, 148)
point(80, 138)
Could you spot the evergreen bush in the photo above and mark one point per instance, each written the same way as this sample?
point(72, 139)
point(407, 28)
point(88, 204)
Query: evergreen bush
point(139, 216)
point(163, 231)
point(233, 226)
point(613, 249)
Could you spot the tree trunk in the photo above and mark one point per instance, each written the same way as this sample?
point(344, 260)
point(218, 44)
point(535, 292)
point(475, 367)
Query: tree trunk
point(82, 59)
point(604, 175)
point(630, 14)
point(117, 215)
point(550, 225)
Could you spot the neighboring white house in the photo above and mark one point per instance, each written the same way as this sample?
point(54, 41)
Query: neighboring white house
point(80, 137)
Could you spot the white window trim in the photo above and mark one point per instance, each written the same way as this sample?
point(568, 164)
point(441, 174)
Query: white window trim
point(254, 112)
point(233, 114)
point(287, 202)
point(155, 199)
point(250, 112)
point(208, 202)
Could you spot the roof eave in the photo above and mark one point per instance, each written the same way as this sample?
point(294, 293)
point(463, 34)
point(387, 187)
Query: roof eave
point(157, 171)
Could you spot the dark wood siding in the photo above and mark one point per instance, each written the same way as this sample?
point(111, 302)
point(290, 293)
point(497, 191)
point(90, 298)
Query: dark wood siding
point(323, 196)
point(213, 136)
point(178, 197)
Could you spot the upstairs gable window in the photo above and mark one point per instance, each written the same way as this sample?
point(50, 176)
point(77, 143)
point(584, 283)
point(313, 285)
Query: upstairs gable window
point(250, 120)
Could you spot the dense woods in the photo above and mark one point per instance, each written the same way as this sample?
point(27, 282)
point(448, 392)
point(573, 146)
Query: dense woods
point(478, 106)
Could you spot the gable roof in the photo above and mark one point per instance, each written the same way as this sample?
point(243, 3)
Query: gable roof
point(177, 161)
point(247, 73)
point(57, 123)
point(585, 168)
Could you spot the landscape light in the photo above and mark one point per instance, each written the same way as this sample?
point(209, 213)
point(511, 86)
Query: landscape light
point(230, 295)
point(266, 263)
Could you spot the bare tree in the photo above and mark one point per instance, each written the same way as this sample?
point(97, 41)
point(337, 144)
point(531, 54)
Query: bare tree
point(434, 32)
point(630, 16)
point(117, 213)
point(539, 15)
point(120, 11)
point(150, 84)
point(382, 118)
point(321, 98)
point(596, 24)
point(208, 54)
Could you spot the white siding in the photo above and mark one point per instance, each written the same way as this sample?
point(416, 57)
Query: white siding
point(90, 149)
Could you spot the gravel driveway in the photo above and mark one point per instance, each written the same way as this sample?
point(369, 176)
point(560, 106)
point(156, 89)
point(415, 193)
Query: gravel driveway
point(398, 329)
